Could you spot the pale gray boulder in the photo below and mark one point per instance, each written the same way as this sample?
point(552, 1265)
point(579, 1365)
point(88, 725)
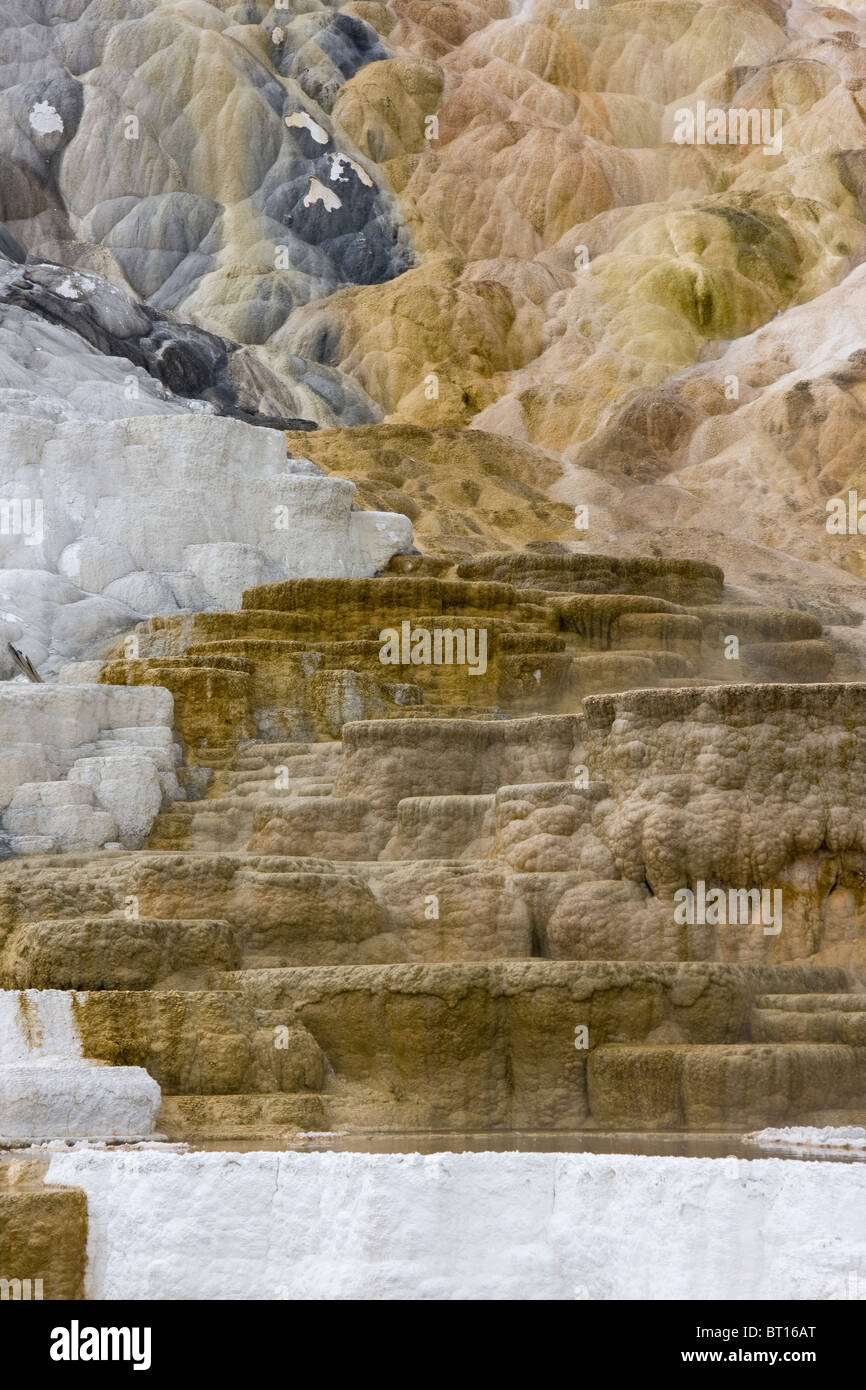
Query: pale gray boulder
point(83, 767)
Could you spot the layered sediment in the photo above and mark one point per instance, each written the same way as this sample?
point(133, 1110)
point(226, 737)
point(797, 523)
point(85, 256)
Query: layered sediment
point(404, 901)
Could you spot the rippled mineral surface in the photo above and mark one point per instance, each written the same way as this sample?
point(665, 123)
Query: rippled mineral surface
point(432, 659)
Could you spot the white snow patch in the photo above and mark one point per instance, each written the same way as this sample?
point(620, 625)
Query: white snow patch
point(466, 1226)
point(44, 119)
point(74, 286)
point(847, 1137)
point(305, 121)
point(320, 194)
point(337, 176)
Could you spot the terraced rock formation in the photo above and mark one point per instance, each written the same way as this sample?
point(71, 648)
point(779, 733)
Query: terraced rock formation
point(301, 659)
point(409, 889)
point(546, 817)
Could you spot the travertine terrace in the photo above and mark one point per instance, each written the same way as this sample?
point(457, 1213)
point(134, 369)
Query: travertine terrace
point(430, 472)
point(399, 899)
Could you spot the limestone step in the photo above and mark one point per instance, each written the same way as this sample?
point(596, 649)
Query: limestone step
point(302, 657)
point(213, 754)
point(222, 818)
point(241, 781)
point(204, 829)
point(807, 1003)
point(254, 756)
point(820, 1025)
point(339, 603)
point(43, 1235)
point(116, 953)
point(199, 1042)
point(756, 624)
point(725, 1086)
point(328, 826)
point(253, 786)
point(679, 581)
point(442, 711)
point(493, 1043)
point(238, 1117)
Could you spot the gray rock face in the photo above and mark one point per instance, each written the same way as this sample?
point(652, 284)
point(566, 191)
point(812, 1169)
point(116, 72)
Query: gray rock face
point(321, 51)
point(141, 361)
point(190, 148)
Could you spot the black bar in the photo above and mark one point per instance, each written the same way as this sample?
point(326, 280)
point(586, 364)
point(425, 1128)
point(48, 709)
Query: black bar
point(606, 1340)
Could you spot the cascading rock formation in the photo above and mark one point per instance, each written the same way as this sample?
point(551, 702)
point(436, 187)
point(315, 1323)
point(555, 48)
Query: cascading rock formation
point(431, 454)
